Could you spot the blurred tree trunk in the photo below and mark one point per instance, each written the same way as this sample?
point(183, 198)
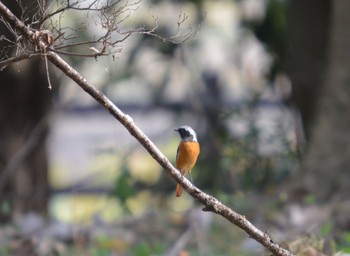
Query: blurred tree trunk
point(308, 33)
point(24, 104)
point(322, 86)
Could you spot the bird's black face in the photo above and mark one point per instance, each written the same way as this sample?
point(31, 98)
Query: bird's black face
point(184, 133)
point(187, 133)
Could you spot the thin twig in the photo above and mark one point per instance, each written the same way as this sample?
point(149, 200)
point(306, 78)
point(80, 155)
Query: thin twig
point(85, 55)
point(47, 71)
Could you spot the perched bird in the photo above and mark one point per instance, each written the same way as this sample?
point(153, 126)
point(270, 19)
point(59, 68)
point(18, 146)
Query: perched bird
point(187, 152)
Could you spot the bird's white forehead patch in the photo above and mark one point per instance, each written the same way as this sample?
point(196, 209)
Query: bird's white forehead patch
point(190, 131)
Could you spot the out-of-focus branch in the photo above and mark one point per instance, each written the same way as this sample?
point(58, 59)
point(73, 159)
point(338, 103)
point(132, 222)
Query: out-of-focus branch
point(210, 203)
point(4, 63)
point(92, 6)
point(16, 160)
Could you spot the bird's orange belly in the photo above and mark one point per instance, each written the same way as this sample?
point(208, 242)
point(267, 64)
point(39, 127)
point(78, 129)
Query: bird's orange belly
point(187, 156)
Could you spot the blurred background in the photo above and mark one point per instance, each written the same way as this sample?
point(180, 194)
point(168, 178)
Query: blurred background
point(265, 83)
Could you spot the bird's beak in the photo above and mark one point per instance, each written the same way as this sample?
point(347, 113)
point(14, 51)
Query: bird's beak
point(176, 130)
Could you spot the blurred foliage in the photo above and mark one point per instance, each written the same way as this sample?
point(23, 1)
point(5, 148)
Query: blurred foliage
point(272, 31)
point(155, 240)
point(326, 229)
point(309, 199)
point(123, 188)
point(145, 249)
point(5, 208)
point(343, 244)
point(311, 245)
point(253, 170)
point(227, 163)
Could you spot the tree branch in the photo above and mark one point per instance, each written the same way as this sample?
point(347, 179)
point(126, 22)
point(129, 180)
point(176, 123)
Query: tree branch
point(210, 203)
point(5, 63)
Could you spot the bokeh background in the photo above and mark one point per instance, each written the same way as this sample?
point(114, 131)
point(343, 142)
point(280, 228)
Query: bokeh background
point(263, 82)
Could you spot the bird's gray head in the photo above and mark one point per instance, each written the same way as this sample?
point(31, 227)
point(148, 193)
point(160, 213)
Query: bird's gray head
point(187, 133)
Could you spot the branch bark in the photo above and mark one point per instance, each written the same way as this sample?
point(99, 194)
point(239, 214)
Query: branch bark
point(210, 203)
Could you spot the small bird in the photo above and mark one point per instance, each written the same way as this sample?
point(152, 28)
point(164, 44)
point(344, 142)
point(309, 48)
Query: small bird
point(187, 153)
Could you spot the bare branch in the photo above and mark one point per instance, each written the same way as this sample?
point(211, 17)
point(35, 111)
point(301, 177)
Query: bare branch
point(178, 38)
point(5, 63)
point(85, 55)
point(109, 16)
point(93, 6)
point(210, 203)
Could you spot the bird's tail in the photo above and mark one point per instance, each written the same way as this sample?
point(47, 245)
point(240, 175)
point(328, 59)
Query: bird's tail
point(178, 190)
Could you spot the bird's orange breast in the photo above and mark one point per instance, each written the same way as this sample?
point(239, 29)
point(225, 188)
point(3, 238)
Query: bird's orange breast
point(187, 155)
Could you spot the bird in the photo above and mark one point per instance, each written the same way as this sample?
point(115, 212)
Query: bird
point(187, 152)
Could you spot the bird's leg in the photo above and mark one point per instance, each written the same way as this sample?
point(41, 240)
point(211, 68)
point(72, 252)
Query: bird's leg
point(190, 176)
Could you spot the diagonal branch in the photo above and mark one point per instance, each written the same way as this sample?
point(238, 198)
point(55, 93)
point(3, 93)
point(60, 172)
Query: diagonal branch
point(210, 203)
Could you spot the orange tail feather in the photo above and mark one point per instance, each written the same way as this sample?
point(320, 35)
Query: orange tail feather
point(178, 190)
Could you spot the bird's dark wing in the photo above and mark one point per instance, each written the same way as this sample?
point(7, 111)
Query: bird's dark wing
point(177, 153)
